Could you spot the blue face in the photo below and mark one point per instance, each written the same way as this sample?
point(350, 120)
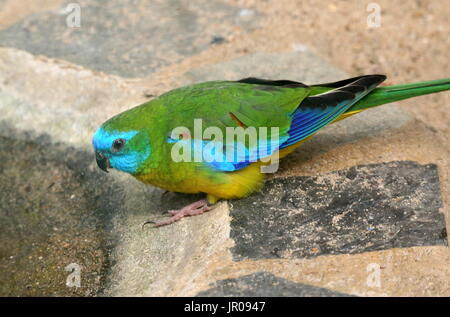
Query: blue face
point(119, 150)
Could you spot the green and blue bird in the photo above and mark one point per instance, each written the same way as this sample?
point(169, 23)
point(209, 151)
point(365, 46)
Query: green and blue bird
point(140, 140)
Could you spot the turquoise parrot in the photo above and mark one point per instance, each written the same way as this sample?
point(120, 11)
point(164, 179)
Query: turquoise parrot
point(180, 141)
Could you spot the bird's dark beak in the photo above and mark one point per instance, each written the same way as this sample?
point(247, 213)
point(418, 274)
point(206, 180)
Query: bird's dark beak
point(102, 161)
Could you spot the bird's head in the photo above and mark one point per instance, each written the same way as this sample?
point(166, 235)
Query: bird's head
point(120, 149)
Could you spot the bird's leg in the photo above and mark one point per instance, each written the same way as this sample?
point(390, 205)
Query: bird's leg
point(193, 209)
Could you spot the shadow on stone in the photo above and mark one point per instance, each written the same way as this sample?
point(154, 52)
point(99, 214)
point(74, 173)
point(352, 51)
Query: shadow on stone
point(54, 211)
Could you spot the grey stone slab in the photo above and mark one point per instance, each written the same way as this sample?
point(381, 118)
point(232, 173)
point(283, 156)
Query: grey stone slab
point(364, 208)
point(54, 211)
point(264, 284)
point(130, 38)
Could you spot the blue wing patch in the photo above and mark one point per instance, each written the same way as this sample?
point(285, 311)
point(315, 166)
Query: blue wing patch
point(306, 122)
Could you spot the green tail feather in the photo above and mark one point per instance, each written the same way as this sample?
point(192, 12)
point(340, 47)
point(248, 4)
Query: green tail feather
point(382, 95)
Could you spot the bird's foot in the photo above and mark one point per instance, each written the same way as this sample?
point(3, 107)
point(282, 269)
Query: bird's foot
point(193, 209)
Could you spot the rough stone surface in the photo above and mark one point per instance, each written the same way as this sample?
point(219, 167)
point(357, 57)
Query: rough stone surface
point(364, 208)
point(264, 284)
point(129, 38)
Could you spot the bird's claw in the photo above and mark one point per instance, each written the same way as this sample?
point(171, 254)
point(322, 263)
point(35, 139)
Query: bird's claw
point(147, 222)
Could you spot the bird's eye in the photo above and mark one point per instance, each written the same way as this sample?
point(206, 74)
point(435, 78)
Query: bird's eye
point(118, 145)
